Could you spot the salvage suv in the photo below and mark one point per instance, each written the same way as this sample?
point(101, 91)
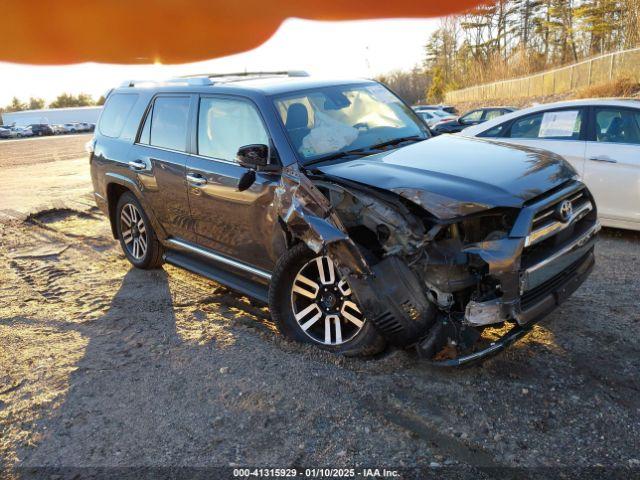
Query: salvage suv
point(329, 201)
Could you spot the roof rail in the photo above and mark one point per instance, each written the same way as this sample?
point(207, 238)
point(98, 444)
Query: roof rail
point(287, 73)
point(203, 79)
point(192, 81)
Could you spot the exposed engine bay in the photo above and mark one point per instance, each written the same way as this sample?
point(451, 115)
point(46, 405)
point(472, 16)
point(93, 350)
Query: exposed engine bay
point(434, 275)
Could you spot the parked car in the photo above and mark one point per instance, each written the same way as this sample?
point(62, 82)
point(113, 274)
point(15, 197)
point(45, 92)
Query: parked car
point(58, 129)
point(71, 128)
point(41, 129)
point(433, 117)
point(5, 131)
point(473, 117)
point(445, 108)
point(599, 138)
point(329, 201)
point(20, 132)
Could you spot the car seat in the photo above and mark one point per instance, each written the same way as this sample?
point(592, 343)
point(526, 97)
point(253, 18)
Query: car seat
point(296, 124)
point(614, 132)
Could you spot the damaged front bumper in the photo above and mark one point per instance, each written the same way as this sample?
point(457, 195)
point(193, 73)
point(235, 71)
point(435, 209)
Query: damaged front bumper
point(542, 301)
point(542, 285)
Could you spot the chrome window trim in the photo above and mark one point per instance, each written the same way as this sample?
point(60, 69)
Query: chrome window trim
point(161, 148)
point(213, 159)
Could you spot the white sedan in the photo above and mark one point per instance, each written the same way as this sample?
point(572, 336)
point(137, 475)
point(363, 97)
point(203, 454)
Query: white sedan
point(599, 138)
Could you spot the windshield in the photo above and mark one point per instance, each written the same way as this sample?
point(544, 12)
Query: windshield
point(441, 113)
point(329, 121)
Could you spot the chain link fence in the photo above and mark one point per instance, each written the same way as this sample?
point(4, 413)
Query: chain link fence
point(589, 72)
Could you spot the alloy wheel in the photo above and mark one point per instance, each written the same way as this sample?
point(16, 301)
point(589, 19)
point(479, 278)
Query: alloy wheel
point(322, 303)
point(134, 231)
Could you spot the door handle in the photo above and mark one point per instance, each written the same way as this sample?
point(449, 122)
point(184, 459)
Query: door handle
point(196, 179)
point(137, 165)
point(603, 158)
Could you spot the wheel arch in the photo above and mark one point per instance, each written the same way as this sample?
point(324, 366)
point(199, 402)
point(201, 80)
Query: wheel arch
point(114, 192)
point(116, 186)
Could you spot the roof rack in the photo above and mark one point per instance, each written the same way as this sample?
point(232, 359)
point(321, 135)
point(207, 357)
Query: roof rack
point(203, 79)
point(286, 73)
point(194, 81)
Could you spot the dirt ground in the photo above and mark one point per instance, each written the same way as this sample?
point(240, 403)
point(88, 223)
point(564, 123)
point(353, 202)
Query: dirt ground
point(103, 365)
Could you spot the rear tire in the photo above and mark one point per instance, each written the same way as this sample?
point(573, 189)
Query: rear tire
point(332, 322)
point(137, 238)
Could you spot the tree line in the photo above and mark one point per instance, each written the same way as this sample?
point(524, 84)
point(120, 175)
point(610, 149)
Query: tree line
point(63, 100)
point(511, 38)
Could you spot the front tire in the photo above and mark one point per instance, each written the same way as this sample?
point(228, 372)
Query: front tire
point(137, 238)
point(311, 303)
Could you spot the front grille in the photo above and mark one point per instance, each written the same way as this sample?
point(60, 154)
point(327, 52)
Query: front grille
point(548, 234)
point(549, 221)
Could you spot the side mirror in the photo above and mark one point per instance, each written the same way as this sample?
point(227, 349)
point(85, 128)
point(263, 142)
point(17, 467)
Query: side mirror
point(461, 121)
point(253, 156)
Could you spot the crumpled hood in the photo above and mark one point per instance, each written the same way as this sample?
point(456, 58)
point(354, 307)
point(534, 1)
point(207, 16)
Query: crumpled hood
point(450, 175)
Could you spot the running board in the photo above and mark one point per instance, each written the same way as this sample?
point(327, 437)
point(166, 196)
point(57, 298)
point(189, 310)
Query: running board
point(217, 274)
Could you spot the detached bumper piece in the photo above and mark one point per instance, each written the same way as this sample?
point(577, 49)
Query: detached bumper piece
point(536, 304)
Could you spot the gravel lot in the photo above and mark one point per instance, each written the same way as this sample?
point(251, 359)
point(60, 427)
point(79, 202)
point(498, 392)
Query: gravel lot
point(102, 365)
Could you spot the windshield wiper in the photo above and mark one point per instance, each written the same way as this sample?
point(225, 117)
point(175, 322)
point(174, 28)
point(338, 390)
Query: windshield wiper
point(365, 150)
point(395, 141)
point(334, 156)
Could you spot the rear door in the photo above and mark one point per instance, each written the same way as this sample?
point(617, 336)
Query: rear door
point(237, 224)
point(612, 169)
point(159, 159)
point(561, 131)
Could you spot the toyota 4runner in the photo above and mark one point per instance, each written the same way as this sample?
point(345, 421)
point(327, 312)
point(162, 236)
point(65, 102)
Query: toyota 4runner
point(329, 201)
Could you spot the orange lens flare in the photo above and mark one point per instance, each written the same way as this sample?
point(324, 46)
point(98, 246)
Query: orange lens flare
point(173, 31)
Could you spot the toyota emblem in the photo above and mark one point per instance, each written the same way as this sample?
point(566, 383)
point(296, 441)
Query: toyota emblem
point(565, 211)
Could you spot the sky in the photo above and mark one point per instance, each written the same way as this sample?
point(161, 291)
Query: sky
point(329, 49)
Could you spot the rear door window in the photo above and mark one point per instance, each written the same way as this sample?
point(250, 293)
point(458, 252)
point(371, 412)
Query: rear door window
point(169, 123)
point(116, 112)
point(617, 125)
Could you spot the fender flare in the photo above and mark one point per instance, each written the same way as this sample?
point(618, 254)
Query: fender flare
point(130, 185)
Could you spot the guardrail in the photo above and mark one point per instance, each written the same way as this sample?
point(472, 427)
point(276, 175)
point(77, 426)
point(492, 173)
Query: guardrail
point(559, 80)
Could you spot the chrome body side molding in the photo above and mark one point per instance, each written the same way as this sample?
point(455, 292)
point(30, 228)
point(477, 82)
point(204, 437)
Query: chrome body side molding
point(216, 257)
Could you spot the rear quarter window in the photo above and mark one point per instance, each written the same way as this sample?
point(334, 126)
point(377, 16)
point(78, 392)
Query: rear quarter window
point(116, 112)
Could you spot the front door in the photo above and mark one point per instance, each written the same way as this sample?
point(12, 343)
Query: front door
point(612, 169)
point(237, 224)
